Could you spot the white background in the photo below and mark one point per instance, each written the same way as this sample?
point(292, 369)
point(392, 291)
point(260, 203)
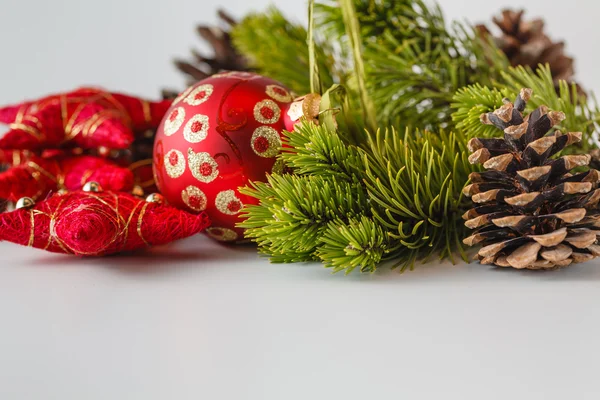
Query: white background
point(197, 320)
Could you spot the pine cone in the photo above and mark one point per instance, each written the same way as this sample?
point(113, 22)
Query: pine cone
point(525, 43)
point(595, 161)
point(225, 56)
point(531, 212)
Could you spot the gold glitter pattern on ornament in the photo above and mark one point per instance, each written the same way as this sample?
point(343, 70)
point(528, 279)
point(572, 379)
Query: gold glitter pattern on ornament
point(279, 93)
point(267, 112)
point(174, 162)
point(265, 142)
point(174, 121)
point(199, 95)
point(221, 74)
point(182, 95)
point(194, 198)
point(222, 234)
point(228, 203)
point(196, 128)
point(203, 166)
point(242, 74)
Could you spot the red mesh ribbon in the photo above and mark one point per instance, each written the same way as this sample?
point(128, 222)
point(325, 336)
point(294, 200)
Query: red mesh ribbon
point(95, 224)
point(85, 118)
point(36, 177)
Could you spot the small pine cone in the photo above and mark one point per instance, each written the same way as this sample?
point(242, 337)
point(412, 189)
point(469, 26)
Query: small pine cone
point(526, 43)
point(530, 210)
point(225, 56)
point(595, 161)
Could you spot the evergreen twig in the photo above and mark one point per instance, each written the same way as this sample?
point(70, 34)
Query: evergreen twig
point(315, 79)
point(276, 47)
point(582, 114)
point(353, 31)
point(397, 198)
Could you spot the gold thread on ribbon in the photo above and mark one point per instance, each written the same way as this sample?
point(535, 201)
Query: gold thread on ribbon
point(32, 223)
point(140, 163)
point(26, 128)
point(63, 109)
point(16, 157)
point(147, 111)
point(139, 223)
point(70, 133)
point(21, 113)
point(86, 175)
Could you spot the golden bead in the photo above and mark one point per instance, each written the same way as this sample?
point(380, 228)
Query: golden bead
point(155, 198)
point(62, 192)
point(9, 206)
point(149, 134)
point(138, 191)
point(92, 187)
point(25, 202)
point(103, 151)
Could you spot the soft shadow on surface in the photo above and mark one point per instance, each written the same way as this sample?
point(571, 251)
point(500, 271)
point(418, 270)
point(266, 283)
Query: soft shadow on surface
point(198, 252)
point(191, 253)
point(589, 271)
point(437, 271)
point(434, 270)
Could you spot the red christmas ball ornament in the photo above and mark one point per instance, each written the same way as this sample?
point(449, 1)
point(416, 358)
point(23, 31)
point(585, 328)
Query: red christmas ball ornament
point(217, 136)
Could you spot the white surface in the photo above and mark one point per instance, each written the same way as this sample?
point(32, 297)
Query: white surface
point(200, 321)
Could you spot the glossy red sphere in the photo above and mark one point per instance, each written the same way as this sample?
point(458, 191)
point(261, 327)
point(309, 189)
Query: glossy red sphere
point(219, 134)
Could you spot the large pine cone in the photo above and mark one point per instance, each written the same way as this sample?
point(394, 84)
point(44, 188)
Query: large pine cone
point(531, 212)
point(525, 43)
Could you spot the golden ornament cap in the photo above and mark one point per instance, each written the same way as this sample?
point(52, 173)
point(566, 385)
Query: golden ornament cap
point(92, 187)
point(24, 202)
point(155, 198)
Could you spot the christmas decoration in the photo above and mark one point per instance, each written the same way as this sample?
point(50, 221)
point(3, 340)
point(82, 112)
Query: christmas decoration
point(375, 159)
point(86, 118)
point(420, 75)
point(530, 210)
point(525, 43)
point(96, 223)
point(353, 207)
point(219, 134)
point(37, 177)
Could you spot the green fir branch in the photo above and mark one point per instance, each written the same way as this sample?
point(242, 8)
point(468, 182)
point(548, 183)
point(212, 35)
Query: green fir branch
point(359, 243)
point(414, 182)
point(412, 81)
point(582, 115)
point(295, 211)
point(396, 198)
point(276, 47)
point(404, 19)
point(316, 151)
point(356, 45)
point(470, 103)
